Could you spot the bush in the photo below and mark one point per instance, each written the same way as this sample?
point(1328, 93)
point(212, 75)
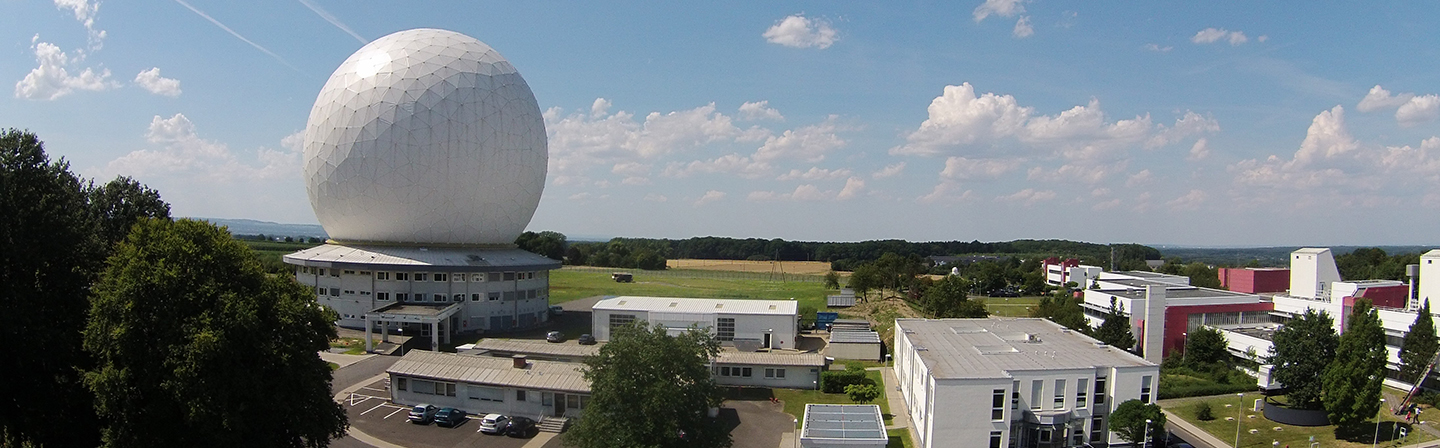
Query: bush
point(834, 382)
point(1203, 389)
point(862, 393)
point(1203, 412)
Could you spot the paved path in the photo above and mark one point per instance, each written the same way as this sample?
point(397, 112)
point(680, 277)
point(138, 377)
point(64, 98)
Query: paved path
point(900, 413)
point(1191, 433)
point(342, 359)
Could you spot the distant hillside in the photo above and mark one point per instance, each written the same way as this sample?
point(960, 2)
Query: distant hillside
point(253, 227)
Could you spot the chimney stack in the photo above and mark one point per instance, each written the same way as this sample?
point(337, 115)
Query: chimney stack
point(519, 361)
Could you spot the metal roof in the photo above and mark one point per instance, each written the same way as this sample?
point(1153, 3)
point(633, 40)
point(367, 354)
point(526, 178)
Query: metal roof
point(855, 337)
point(540, 375)
point(699, 306)
point(771, 358)
point(536, 347)
point(992, 348)
point(849, 422)
point(1189, 292)
point(727, 355)
point(446, 258)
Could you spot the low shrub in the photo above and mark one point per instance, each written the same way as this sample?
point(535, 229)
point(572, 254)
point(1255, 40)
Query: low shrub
point(1203, 412)
point(834, 382)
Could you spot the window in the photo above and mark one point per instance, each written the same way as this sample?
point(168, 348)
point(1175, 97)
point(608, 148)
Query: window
point(402, 276)
point(780, 373)
point(349, 272)
point(420, 276)
point(745, 372)
point(438, 297)
point(400, 296)
point(509, 276)
point(1100, 390)
point(725, 328)
point(477, 278)
point(334, 291)
point(995, 438)
point(349, 292)
point(997, 405)
point(458, 278)
point(509, 295)
point(475, 297)
point(382, 275)
point(494, 296)
point(382, 296)
point(400, 383)
point(529, 275)
point(530, 293)
point(459, 297)
point(441, 277)
point(1145, 389)
point(486, 393)
point(775, 373)
point(620, 320)
point(1045, 435)
point(449, 390)
point(365, 273)
point(493, 276)
point(334, 272)
point(1059, 394)
point(724, 371)
point(1036, 387)
point(1081, 394)
point(520, 395)
point(1015, 396)
point(1097, 429)
point(322, 271)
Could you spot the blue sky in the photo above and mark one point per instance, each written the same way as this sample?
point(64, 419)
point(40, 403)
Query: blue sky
point(1229, 123)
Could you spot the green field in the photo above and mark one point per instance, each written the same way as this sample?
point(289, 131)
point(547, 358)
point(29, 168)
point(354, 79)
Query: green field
point(571, 284)
point(1010, 306)
point(1266, 432)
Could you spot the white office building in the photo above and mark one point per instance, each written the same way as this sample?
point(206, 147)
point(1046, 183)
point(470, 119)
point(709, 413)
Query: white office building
point(1027, 383)
point(746, 324)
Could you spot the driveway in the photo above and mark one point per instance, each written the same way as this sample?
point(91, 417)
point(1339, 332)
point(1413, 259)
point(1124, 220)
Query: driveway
point(756, 424)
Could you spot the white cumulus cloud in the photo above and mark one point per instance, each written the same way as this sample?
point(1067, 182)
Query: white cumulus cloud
point(53, 78)
point(1212, 35)
point(759, 110)
point(156, 84)
point(1189, 201)
point(85, 12)
point(182, 153)
point(1028, 196)
point(710, 196)
point(961, 168)
point(1199, 151)
point(1378, 98)
point(1022, 28)
point(1002, 8)
point(889, 171)
point(1418, 110)
point(960, 117)
point(808, 143)
point(814, 173)
point(799, 31)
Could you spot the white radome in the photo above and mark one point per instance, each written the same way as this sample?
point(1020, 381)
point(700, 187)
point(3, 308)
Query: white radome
point(425, 136)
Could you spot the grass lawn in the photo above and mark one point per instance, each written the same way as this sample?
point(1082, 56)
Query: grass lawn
point(899, 438)
point(572, 284)
point(1009, 306)
point(1256, 431)
point(795, 399)
point(352, 346)
point(333, 366)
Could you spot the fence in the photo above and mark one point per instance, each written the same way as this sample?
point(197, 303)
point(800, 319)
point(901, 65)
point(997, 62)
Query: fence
point(705, 273)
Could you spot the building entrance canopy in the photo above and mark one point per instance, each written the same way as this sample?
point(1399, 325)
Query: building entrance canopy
point(432, 315)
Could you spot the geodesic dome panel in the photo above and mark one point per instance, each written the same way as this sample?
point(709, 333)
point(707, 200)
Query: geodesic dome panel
point(425, 136)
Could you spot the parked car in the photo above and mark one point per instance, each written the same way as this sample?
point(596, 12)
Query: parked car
point(423, 414)
point(522, 427)
point(449, 417)
point(586, 339)
point(494, 423)
point(555, 336)
point(557, 310)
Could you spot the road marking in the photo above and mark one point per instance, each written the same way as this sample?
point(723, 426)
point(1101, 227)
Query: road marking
point(374, 389)
point(397, 411)
point(381, 405)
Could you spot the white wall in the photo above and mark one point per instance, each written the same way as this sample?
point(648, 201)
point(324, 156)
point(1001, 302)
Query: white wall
point(782, 328)
point(1311, 272)
point(796, 377)
point(1430, 269)
point(532, 406)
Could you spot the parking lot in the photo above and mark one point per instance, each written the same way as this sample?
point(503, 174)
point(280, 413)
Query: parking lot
point(371, 411)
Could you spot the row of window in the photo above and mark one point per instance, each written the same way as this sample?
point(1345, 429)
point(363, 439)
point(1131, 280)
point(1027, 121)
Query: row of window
point(424, 276)
point(523, 294)
point(1082, 395)
point(746, 372)
point(482, 393)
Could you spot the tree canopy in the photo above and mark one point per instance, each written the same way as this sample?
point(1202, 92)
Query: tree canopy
point(1300, 352)
point(947, 299)
point(196, 346)
point(1419, 346)
point(1205, 346)
point(1064, 309)
point(649, 389)
point(1115, 331)
point(1128, 422)
point(1353, 379)
point(550, 244)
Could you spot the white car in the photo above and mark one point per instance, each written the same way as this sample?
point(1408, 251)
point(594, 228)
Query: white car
point(494, 423)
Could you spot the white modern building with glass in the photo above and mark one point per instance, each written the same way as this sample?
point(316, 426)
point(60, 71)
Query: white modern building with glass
point(745, 324)
point(1013, 382)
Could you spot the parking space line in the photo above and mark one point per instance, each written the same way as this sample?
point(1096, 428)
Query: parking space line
point(374, 389)
point(397, 411)
point(354, 402)
point(381, 405)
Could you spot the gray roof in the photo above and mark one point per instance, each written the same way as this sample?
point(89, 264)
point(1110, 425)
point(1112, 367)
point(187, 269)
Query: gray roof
point(702, 306)
point(851, 422)
point(727, 355)
point(536, 347)
point(540, 375)
point(993, 348)
point(855, 337)
point(444, 258)
point(771, 358)
point(1190, 292)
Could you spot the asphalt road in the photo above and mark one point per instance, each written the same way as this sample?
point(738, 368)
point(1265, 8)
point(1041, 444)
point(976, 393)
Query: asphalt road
point(355, 374)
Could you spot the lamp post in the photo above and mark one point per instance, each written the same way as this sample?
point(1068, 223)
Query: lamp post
point(1239, 409)
point(1185, 351)
point(1377, 426)
point(1146, 443)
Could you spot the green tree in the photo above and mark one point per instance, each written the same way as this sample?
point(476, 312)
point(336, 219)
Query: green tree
point(1115, 331)
point(1419, 346)
point(1353, 379)
point(119, 203)
point(866, 277)
point(1128, 422)
point(1205, 346)
point(196, 346)
point(862, 393)
point(550, 244)
point(1062, 309)
point(832, 280)
point(947, 299)
point(48, 257)
point(647, 388)
point(1300, 352)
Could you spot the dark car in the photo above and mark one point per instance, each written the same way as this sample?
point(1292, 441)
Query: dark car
point(450, 417)
point(555, 336)
point(523, 427)
point(586, 339)
point(423, 414)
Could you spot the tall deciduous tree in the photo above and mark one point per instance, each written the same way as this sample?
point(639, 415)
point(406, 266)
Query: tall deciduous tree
point(1062, 309)
point(119, 203)
point(1205, 346)
point(1300, 352)
point(1353, 379)
point(1128, 422)
point(196, 346)
point(1115, 331)
point(1419, 346)
point(48, 257)
point(650, 389)
point(947, 299)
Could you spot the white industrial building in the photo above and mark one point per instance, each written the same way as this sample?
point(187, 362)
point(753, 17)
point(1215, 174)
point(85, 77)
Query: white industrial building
point(781, 368)
point(745, 324)
point(483, 384)
point(1058, 273)
point(843, 426)
point(1026, 383)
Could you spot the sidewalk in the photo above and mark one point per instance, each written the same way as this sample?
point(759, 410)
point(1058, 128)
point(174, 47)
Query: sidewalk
point(897, 402)
point(342, 359)
point(1205, 437)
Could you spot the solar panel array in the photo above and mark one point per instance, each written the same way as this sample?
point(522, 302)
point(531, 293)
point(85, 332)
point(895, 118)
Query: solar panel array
point(843, 421)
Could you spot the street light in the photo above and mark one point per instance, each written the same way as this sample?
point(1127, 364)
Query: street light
point(1239, 408)
point(1146, 443)
point(1377, 426)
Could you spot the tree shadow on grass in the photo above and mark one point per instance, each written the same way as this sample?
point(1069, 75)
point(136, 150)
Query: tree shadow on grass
point(749, 393)
point(1372, 433)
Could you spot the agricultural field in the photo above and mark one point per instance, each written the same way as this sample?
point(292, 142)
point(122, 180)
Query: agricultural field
point(788, 267)
point(568, 284)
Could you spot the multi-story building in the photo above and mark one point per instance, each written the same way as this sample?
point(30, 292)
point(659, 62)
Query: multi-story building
point(1058, 272)
point(1027, 383)
point(751, 324)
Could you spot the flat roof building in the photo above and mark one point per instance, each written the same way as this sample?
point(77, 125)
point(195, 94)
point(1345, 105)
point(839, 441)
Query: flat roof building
point(843, 426)
point(1013, 382)
point(745, 324)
